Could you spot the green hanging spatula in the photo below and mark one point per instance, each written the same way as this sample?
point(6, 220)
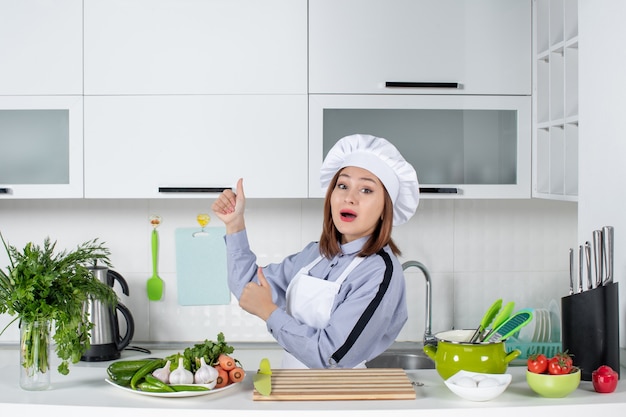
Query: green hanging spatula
point(486, 321)
point(154, 285)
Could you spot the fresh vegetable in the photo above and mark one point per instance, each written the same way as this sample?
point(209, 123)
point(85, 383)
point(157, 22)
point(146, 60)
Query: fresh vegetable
point(163, 374)
point(560, 364)
point(537, 363)
point(206, 374)
point(604, 379)
point(158, 383)
point(40, 285)
point(222, 377)
point(262, 380)
point(226, 362)
point(181, 375)
point(180, 371)
point(236, 374)
point(145, 370)
point(208, 350)
point(127, 366)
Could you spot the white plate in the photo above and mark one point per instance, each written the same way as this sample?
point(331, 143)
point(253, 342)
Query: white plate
point(172, 394)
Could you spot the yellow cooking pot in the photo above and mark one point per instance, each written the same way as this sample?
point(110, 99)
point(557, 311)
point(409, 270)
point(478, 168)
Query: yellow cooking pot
point(453, 353)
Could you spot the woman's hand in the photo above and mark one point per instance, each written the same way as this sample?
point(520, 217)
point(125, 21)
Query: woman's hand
point(257, 298)
point(229, 208)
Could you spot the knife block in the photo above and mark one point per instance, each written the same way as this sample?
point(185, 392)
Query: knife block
point(590, 328)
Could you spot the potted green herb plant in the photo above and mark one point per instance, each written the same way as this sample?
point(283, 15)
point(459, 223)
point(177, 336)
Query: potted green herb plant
point(44, 289)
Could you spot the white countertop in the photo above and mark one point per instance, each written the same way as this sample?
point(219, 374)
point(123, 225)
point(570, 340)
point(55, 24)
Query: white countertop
point(84, 392)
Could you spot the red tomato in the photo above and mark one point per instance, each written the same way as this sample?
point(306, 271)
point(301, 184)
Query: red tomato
point(604, 379)
point(559, 365)
point(537, 363)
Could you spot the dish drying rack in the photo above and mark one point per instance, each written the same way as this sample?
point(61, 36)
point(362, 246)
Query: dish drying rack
point(547, 348)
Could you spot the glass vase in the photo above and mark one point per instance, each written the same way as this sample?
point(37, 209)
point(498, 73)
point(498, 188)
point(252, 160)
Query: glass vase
point(35, 343)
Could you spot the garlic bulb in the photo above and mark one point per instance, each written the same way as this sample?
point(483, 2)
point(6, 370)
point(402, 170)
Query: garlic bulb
point(163, 374)
point(180, 375)
point(206, 374)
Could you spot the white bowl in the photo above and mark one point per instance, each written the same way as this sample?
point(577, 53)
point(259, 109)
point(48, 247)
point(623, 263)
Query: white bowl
point(487, 386)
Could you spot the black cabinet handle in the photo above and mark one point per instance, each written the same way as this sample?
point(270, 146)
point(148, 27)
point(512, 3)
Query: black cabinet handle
point(5, 191)
point(426, 84)
point(427, 190)
point(192, 189)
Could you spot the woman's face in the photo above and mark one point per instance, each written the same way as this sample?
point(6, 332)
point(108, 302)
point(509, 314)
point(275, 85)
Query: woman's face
point(357, 203)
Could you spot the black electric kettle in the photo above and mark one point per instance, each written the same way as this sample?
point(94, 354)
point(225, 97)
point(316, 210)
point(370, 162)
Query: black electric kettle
point(105, 340)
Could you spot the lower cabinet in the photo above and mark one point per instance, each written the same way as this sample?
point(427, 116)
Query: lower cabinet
point(195, 146)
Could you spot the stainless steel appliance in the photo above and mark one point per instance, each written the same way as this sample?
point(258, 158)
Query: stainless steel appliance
point(105, 338)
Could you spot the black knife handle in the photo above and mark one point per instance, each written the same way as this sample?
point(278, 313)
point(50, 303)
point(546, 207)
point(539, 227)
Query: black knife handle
point(422, 84)
point(6, 191)
point(192, 189)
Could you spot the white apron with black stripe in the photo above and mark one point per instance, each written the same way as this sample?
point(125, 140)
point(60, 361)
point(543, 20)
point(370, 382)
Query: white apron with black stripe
point(310, 301)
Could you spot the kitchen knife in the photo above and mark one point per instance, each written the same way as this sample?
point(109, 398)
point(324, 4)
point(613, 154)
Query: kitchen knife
point(607, 249)
point(588, 261)
point(581, 263)
point(571, 271)
point(597, 254)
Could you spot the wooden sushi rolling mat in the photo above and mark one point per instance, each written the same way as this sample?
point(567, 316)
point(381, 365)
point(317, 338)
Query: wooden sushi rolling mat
point(338, 384)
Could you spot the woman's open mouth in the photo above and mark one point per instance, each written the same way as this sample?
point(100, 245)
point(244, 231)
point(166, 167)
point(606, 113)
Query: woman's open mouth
point(347, 215)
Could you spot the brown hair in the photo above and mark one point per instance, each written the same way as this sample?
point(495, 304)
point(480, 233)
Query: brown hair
point(329, 241)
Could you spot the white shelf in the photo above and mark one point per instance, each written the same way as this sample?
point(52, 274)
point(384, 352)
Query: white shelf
point(555, 88)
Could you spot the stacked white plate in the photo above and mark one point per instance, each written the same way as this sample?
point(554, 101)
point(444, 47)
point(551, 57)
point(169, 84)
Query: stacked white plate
point(544, 328)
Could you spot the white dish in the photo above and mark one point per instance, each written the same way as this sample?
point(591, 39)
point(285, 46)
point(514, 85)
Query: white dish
point(178, 394)
point(478, 393)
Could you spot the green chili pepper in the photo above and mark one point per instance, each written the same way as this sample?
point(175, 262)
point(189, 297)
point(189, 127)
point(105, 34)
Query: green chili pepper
point(145, 370)
point(180, 388)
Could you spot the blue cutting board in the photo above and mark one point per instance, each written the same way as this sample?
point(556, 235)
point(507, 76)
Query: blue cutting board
point(201, 267)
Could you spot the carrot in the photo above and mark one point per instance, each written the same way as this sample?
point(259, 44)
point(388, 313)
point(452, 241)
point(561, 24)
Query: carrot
point(226, 362)
point(236, 374)
point(222, 377)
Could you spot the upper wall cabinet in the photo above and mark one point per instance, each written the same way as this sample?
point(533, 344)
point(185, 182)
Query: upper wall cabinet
point(195, 47)
point(422, 46)
point(41, 146)
point(193, 146)
point(41, 48)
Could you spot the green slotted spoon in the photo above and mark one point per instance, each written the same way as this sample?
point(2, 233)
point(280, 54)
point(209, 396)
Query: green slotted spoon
point(154, 285)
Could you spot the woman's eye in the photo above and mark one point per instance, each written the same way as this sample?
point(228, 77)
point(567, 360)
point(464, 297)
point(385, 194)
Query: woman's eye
point(341, 186)
point(366, 190)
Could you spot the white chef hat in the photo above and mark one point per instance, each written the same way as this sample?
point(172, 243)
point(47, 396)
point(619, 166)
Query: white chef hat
point(382, 159)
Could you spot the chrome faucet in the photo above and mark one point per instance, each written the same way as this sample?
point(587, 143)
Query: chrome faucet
point(429, 338)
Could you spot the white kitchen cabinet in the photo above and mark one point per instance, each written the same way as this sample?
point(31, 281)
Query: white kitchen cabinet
point(145, 146)
point(555, 118)
point(41, 147)
point(357, 46)
point(195, 47)
point(41, 47)
point(461, 146)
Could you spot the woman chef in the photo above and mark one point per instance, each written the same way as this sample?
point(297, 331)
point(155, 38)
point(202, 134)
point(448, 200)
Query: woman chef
point(341, 301)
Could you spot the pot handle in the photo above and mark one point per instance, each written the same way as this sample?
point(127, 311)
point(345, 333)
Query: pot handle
point(431, 351)
point(122, 342)
point(512, 355)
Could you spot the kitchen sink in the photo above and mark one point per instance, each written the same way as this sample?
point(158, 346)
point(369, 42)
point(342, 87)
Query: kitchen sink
point(403, 360)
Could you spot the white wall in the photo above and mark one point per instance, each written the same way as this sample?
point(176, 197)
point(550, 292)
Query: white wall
point(602, 146)
point(476, 250)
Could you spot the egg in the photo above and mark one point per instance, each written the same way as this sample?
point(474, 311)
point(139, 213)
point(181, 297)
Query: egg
point(466, 381)
point(488, 383)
